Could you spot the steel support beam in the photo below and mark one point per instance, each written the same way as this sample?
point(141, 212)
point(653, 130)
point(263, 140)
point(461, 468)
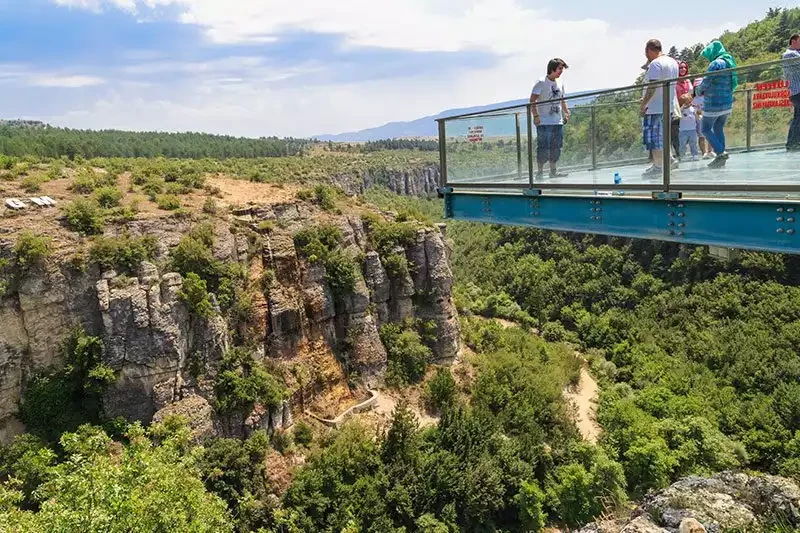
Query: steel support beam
point(763, 225)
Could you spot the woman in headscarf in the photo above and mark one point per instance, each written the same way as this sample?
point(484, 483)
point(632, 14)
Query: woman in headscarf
point(682, 87)
point(717, 89)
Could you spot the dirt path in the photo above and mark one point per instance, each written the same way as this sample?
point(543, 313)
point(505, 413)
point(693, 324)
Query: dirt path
point(386, 404)
point(584, 398)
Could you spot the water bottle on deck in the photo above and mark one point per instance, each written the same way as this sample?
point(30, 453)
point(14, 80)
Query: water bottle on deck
point(617, 181)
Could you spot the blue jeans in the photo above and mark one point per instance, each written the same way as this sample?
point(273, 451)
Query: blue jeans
point(793, 142)
point(549, 139)
point(713, 131)
point(690, 137)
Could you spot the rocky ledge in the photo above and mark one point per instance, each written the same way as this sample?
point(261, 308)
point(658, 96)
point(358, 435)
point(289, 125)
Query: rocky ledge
point(728, 501)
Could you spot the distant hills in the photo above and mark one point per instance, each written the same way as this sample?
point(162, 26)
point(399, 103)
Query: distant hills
point(426, 126)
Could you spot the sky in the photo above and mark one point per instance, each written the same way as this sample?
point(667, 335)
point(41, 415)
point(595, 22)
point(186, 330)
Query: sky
point(307, 67)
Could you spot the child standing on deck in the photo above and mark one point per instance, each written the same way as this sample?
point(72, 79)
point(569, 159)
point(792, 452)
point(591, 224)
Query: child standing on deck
point(688, 127)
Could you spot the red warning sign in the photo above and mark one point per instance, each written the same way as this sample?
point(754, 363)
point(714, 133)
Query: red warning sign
point(475, 134)
point(772, 94)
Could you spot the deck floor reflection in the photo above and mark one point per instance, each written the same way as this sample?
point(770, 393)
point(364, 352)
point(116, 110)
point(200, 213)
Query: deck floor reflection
point(770, 167)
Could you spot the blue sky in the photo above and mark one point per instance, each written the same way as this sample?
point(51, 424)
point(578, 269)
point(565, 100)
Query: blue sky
point(262, 67)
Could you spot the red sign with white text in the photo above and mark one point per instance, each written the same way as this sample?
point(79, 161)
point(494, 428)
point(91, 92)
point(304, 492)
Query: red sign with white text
point(475, 134)
point(772, 94)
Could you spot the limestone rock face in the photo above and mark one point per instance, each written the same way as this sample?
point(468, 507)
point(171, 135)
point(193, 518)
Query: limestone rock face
point(50, 300)
point(418, 181)
point(197, 411)
point(152, 341)
point(148, 335)
point(728, 501)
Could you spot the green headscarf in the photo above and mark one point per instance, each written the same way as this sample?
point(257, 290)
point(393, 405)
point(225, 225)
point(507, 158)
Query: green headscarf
point(715, 51)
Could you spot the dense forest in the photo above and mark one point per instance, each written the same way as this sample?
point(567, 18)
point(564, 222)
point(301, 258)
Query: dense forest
point(57, 142)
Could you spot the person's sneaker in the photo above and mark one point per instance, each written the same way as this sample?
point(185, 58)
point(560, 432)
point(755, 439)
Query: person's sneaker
point(558, 174)
point(539, 174)
point(674, 163)
point(695, 158)
point(719, 161)
point(652, 172)
point(709, 155)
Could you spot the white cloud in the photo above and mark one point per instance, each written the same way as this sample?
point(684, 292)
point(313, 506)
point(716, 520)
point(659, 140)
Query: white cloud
point(97, 5)
point(64, 81)
point(522, 39)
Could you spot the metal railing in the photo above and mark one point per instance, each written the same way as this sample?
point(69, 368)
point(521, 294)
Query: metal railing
point(602, 128)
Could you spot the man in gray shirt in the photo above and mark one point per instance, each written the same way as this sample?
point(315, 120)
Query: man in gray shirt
point(791, 71)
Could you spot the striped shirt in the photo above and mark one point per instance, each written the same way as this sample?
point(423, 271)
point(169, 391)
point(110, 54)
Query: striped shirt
point(791, 70)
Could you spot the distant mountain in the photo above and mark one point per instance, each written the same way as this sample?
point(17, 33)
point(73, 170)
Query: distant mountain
point(426, 126)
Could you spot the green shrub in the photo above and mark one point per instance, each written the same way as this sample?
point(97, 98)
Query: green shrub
point(316, 242)
point(31, 249)
point(87, 180)
point(210, 206)
point(324, 196)
point(440, 390)
point(7, 162)
point(341, 273)
point(32, 183)
point(265, 281)
point(396, 266)
point(555, 332)
point(266, 226)
point(108, 196)
point(85, 216)
point(282, 441)
point(234, 470)
point(59, 401)
point(530, 501)
point(195, 294)
point(241, 382)
point(194, 254)
point(303, 434)
point(123, 253)
point(386, 236)
point(407, 355)
point(168, 202)
point(55, 172)
point(152, 187)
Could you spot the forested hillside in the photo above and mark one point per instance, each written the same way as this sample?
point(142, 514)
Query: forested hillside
point(57, 142)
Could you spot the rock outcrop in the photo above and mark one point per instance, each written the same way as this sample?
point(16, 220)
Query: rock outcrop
point(156, 346)
point(421, 181)
point(729, 501)
point(148, 336)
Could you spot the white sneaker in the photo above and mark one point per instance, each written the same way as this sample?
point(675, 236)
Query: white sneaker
point(652, 172)
point(695, 158)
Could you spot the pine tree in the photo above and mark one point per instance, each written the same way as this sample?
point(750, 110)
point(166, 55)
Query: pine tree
point(673, 52)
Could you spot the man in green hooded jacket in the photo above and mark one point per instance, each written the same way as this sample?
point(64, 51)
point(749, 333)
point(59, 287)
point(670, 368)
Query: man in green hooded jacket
point(717, 89)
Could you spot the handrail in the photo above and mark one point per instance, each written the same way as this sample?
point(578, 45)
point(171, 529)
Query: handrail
point(603, 92)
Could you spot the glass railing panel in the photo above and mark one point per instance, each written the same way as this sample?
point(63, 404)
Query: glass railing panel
point(486, 149)
point(603, 148)
point(755, 135)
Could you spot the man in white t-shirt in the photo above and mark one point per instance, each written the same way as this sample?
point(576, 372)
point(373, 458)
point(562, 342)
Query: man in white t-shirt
point(549, 115)
point(660, 67)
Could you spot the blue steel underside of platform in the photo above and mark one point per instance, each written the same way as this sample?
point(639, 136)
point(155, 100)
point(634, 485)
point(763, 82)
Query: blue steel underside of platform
point(731, 223)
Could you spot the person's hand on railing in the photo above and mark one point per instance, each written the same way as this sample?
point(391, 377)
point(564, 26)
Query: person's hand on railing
point(537, 119)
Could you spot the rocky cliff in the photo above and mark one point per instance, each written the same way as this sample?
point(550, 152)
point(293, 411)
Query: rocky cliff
point(729, 501)
point(152, 341)
point(421, 180)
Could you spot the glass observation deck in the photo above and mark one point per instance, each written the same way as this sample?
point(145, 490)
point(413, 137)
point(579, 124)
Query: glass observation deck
point(489, 171)
point(495, 150)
